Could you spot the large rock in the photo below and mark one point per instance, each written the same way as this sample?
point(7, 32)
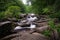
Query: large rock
point(25, 36)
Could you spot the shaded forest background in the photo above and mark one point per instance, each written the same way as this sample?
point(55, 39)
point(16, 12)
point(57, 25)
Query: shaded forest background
point(13, 8)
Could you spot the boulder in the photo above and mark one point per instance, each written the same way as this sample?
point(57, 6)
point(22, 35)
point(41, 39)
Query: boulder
point(26, 36)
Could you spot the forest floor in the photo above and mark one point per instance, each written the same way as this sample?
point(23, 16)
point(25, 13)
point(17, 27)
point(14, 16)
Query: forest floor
point(35, 34)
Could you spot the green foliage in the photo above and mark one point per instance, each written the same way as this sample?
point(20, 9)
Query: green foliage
point(52, 27)
point(58, 28)
point(39, 5)
point(51, 24)
point(28, 9)
point(46, 33)
point(56, 15)
point(20, 4)
point(46, 6)
point(4, 4)
point(2, 15)
point(12, 11)
point(11, 8)
point(48, 10)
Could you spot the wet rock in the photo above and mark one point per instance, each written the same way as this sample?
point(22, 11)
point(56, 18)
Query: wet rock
point(23, 21)
point(17, 29)
point(31, 17)
point(23, 24)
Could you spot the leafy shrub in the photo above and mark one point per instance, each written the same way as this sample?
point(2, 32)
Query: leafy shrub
point(48, 10)
point(55, 15)
point(46, 33)
point(51, 24)
point(12, 11)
